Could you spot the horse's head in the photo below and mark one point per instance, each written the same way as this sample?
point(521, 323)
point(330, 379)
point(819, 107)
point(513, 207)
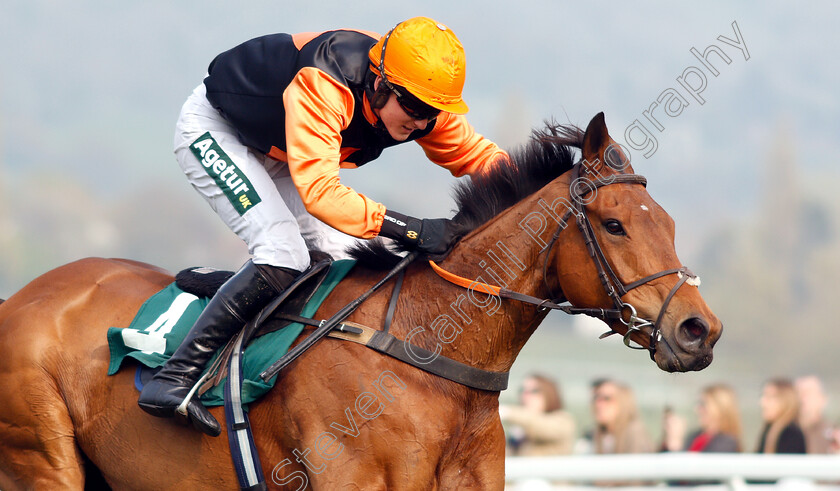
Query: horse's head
point(632, 238)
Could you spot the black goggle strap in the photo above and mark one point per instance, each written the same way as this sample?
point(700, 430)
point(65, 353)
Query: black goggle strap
point(382, 57)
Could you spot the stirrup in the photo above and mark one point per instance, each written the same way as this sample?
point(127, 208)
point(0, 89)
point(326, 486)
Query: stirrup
point(182, 409)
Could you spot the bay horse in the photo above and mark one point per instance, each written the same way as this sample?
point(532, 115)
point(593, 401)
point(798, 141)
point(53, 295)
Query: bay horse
point(342, 416)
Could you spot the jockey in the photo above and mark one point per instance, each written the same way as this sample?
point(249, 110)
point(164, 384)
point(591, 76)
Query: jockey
point(262, 140)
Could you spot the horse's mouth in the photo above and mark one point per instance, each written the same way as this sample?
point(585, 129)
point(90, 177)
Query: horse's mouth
point(666, 359)
point(669, 360)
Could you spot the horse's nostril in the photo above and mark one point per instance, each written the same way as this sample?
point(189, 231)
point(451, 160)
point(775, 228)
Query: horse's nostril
point(694, 329)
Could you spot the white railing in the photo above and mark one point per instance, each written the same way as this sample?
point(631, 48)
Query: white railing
point(732, 470)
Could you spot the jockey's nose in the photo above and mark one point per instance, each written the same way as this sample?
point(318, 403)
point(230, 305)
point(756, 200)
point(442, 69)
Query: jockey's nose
point(421, 124)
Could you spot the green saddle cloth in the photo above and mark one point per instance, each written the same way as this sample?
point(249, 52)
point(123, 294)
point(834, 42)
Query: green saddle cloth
point(164, 320)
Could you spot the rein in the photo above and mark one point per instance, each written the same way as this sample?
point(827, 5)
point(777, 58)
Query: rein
point(612, 284)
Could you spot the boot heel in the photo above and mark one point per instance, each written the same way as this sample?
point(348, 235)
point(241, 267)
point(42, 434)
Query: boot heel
point(181, 420)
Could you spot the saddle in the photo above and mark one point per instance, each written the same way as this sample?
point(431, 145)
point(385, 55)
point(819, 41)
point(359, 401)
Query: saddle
point(167, 317)
point(284, 310)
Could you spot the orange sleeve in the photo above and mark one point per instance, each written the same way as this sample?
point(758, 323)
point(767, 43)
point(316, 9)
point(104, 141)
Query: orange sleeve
point(455, 145)
point(317, 109)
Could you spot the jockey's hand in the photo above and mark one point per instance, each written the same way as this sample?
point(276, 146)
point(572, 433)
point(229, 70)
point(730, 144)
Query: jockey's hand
point(436, 236)
point(433, 236)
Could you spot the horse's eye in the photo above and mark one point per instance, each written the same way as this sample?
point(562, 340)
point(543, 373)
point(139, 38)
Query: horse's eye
point(614, 227)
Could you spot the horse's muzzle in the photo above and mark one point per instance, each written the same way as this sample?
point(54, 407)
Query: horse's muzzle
point(689, 348)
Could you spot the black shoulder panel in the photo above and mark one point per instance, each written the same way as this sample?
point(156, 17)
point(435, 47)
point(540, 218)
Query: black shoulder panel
point(246, 84)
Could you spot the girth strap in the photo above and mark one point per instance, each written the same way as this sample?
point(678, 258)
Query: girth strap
point(392, 346)
point(387, 344)
point(243, 449)
point(439, 365)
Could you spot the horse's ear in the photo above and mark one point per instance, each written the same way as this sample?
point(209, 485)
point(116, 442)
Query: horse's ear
point(595, 138)
point(599, 149)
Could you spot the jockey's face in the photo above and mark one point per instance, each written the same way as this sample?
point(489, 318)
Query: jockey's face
point(398, 122)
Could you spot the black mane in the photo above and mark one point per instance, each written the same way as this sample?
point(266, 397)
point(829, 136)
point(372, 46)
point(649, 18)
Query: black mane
point(547, 154)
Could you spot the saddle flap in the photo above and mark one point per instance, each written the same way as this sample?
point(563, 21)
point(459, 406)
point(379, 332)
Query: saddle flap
point(201, 281)
point(300, 292)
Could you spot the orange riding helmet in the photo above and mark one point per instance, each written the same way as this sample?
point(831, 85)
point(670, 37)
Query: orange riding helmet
point(427, 59)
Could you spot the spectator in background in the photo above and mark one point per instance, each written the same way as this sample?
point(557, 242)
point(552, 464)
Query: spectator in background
point(618, 428)
point(834, 443)
point(720, 424)
point(780, 411)
point(812, 402)
point(539, 425)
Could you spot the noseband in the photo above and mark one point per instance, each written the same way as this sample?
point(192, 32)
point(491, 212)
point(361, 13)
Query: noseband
point(613, 286)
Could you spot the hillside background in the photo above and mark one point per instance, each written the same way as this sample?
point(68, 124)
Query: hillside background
point(90, 90)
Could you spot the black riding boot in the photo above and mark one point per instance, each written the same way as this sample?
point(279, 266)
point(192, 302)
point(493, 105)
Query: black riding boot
point(238, 300)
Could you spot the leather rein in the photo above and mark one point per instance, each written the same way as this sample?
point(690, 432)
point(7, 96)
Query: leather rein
point(612, 284)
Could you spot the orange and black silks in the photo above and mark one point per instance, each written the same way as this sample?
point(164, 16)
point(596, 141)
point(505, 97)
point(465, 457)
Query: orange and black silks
point(301, 99)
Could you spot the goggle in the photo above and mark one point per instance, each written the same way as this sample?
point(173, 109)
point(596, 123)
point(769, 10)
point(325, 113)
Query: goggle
point(412, 106)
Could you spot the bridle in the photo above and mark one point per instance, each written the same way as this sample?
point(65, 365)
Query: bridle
point(612, 284)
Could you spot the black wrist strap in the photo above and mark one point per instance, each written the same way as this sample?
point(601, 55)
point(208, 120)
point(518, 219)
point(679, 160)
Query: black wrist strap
point(403, 228)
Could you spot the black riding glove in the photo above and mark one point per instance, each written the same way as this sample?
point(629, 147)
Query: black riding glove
point(429, 235)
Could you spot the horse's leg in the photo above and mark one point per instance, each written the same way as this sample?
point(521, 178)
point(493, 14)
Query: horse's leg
point(332, 429)
point(479, 463)
point(38, 449)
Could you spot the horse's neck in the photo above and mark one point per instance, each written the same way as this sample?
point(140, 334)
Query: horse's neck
point(502, 253)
